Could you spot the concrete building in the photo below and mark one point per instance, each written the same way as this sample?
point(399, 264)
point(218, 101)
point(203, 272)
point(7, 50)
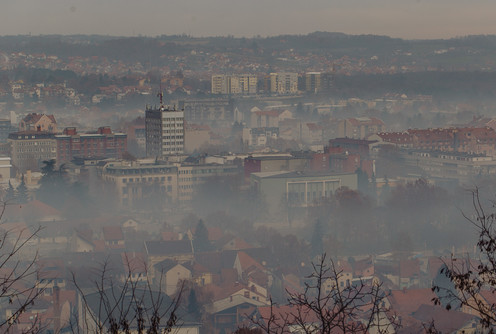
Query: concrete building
point(30, 148)
point(299, 189)
point(234, 84)
point(283, 83)
point(135, 182)
point(102, 143)
point(360, 127)
point(5, 129)
point(462, 167)
point(312, 82)
point(274, 163)
point(191, 176)
point(164, 130)
point(5, 168)
point(206, 110)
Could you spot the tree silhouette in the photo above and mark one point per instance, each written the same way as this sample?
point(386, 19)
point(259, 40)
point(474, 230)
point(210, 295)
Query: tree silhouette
point(10, 194)
point(53, 188)
point(317, 243)
point(474, 280)
point(326, 306)
point(201, 242)
point(22, 192)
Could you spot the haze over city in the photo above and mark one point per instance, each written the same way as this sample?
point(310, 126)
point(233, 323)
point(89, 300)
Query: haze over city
point(247, 167)
point(404, 19)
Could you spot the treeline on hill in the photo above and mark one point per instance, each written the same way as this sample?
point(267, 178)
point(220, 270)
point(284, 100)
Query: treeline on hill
point(146, 49)
point(439, 84)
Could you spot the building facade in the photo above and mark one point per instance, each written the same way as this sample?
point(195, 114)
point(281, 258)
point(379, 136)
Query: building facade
point(312, 82)
point(191, 176)
point(234, 84)
point(38, 122)
point(100, 144)
point(299, 189)
point(283, 83)
point(164, 130)
point(30, 148)
point(136, 183)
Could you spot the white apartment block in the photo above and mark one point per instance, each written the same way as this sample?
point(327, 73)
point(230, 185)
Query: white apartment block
point(164, 132)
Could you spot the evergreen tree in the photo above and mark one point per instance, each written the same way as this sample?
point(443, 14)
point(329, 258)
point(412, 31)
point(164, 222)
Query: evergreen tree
point(200, 238)
point(193, 306)
point(10, 193)
point(363, 180)
point(317, 243)
point(53, 188)
point(22, 192)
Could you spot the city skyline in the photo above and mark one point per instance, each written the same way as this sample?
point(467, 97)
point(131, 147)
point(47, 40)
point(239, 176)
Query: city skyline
point(417, 19)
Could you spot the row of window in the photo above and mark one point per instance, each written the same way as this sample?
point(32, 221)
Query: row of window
point(173, 137)
point(25, 150)
point(35, 143)
point(150, 179)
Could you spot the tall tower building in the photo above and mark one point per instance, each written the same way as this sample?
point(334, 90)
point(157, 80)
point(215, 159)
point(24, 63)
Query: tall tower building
point(164, 131)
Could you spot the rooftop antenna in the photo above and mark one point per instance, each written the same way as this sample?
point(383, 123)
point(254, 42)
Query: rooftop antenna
point(161, 96)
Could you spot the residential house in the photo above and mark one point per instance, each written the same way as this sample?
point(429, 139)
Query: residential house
point(171, 274)
point(38, 122)
point(113, 237)
point(180, 251)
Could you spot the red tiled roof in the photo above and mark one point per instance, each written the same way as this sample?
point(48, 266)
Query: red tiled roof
point(408, 301)
point(247, 261)
point(314, 127)
point(269, 113)
point(134, 262)
point(409, 268)
point(112, 233)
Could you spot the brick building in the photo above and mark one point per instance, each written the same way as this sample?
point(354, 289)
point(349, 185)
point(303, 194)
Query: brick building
point(100, 144)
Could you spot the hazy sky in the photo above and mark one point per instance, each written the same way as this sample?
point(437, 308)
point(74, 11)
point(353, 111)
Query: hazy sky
point(397, 18)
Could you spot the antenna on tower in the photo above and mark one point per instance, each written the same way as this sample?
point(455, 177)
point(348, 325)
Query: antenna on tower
point(161, 95)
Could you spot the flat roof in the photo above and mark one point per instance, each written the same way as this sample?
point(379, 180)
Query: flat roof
point(292, 174)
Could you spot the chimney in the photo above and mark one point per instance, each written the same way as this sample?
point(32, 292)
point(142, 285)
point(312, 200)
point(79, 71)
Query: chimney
point(56, 310)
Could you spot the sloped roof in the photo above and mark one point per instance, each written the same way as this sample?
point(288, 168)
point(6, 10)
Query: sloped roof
point(445, 321)
point(134, 262)
point(168, 247)
point(34, 208)
point(246, 262)
point(408, 301)
point(33, 118)
point(112, 233)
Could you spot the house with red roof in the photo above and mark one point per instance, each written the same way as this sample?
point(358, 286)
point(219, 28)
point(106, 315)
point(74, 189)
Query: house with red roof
point(232, 302)
point(113, 237)
point(249, 269)
point(38, 122)
point(135, 267)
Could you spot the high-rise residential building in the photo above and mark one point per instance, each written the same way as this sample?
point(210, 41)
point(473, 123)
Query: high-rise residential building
point(164, 130)
point(234, 84)
point(312, 82)
point(283, 83)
